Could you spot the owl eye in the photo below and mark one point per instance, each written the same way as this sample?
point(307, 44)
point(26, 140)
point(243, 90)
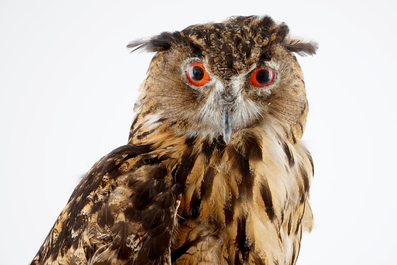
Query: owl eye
point(262, 77)
point(196, 74)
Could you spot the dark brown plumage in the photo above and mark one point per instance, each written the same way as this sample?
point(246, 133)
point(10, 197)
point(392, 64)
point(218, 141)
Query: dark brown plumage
point(214, 171)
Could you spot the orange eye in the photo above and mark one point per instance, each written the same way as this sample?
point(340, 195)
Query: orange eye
point(196, 74)
point(262, 77)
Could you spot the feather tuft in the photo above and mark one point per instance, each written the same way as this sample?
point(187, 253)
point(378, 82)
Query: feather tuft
point(162, 42)
point(301, 47)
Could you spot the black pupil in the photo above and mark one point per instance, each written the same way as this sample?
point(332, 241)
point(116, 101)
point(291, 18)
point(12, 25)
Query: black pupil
point(263, 77)
point(197, 73)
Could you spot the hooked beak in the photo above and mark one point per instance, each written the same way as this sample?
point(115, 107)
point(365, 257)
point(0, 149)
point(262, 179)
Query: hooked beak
point(227, 125)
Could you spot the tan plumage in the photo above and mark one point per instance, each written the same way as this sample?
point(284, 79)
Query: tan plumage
point(212, 174)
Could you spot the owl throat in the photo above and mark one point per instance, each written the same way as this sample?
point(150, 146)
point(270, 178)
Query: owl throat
point(231, 193)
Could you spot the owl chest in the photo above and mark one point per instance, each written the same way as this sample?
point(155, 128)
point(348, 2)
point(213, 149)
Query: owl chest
point(226, 213)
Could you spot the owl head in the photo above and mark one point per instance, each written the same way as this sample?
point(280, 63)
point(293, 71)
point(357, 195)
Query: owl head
point(220, 79)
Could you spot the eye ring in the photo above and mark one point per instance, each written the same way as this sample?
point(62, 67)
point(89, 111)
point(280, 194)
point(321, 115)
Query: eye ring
point(196, 74)
point(262, 76)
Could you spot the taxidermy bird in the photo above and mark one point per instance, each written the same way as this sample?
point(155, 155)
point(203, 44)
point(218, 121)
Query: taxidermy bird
point(214, 171)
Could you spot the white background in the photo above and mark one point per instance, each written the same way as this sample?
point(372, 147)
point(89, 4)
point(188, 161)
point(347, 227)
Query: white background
point(68, 85)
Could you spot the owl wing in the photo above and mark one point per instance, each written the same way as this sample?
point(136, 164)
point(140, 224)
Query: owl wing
point(122, 211)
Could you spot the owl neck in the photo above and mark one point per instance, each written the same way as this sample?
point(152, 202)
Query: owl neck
point(216, 178)
point(198, 160)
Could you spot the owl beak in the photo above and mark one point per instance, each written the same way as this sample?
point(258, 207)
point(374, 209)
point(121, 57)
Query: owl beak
point(227, 125)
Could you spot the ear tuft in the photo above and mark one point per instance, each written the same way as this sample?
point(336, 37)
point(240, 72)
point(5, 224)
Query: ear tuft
point(162, 42)
point(139, 44)
point(301, 47)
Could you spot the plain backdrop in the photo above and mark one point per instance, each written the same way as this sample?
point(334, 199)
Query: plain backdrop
point(68, 86)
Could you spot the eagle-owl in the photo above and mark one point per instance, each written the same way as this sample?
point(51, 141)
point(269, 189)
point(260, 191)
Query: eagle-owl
point(214, 171)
